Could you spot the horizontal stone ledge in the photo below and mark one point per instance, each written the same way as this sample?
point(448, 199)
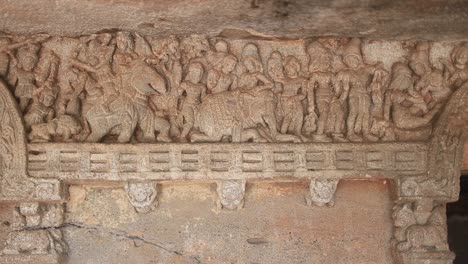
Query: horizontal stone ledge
point(172, 161)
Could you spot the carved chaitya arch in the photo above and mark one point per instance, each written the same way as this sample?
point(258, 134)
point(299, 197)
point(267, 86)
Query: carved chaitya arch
point(16, 185)
point(137, 111)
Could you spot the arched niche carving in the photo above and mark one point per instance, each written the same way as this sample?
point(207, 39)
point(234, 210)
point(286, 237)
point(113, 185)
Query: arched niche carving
point(15, 185)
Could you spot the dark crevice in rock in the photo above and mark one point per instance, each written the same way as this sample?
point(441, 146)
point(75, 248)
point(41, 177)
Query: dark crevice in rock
point(123, 234)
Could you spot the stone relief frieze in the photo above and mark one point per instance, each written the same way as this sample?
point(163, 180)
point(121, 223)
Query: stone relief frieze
point(125, 87)
point(143, 110)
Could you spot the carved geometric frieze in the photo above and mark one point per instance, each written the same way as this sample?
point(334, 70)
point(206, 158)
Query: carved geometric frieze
point(145, 110)
point(214, 161)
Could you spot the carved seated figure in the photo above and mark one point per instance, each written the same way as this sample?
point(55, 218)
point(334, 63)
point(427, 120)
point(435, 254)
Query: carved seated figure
point(411, 111)
point(41, 109)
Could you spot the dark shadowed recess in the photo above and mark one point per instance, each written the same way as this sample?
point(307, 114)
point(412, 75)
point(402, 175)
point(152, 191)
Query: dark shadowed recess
point(457, 218)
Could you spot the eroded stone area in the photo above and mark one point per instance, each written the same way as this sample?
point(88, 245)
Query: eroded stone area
point(275, 225)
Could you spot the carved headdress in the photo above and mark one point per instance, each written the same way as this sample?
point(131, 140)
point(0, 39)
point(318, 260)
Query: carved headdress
point(353, 48)
point(320, 57)
point(420, 57)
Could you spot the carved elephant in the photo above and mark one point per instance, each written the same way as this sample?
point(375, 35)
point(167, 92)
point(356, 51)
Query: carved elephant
point(126, 111)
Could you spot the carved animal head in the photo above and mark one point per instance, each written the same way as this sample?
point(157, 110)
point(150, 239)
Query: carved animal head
point(231, 193)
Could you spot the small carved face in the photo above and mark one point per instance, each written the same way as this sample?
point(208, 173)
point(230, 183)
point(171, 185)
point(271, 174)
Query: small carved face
point(124, 41)
point(252, 65)
point(352, 61)
point(28, 61)
point(461, 57)
point(418, 68)
point(292, 67)
point(221, 46)
point(229, 64)
point(195, 72)
point(48, 100)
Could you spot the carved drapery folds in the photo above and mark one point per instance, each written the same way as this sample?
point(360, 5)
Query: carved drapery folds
point(336, 108)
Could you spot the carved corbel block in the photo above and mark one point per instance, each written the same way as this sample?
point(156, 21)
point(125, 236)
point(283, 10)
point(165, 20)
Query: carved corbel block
point(322, 192)
point(35, 237)
point(142, 195)
point(230, 194)
point(420, 232)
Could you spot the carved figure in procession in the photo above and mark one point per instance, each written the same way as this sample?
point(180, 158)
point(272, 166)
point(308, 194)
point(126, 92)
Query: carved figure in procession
point(357, 81)
point(216, 57)
point(22, 76)
point(220, 78)
point(130, 109)
point(247, 113)
point(124, 53)
point(320, 94)
point(290, 113)
point(275, 69)
point(457, 67)
point(41, 110)
point(100, 66)
point(430, 83)
point(194, 91)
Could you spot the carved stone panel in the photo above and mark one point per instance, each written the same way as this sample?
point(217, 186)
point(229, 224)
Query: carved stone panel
point(138, 111)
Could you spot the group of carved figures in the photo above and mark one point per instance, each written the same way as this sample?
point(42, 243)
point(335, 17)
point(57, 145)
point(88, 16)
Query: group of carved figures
point(124, 87)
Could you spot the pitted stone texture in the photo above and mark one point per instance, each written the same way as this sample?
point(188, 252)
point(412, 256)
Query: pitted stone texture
point(275, 226)
point(400, 19)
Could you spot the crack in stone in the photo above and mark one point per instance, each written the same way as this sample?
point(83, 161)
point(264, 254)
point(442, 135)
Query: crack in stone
point(123, 234)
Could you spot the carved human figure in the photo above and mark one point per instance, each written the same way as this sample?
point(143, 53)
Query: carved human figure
point(194, 92)
point(319, 92)
point(290, 113)
point(41, 110)
point(253, 81)
point(220, 78)
point(216, 57)
point(430, 84)
point(124, 53)
point(100, 66)
point(457, 67)
point(356, 80)
point(275, 69)
point(22, 76)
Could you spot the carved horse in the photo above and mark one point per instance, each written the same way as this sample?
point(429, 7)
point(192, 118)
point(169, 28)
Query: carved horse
point(137, 83)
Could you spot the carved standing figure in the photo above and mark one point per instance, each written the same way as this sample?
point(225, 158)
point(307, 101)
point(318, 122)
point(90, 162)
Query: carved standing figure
point(457, 67)
point(22, 75)
point(101, 68)
point(194, 93)
point(357, 79)
point(290, 113)
point(220, 77)
point(319, 92)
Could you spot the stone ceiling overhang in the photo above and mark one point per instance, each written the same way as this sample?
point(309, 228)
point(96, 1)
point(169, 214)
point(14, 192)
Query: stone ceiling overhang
point(380, 19)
